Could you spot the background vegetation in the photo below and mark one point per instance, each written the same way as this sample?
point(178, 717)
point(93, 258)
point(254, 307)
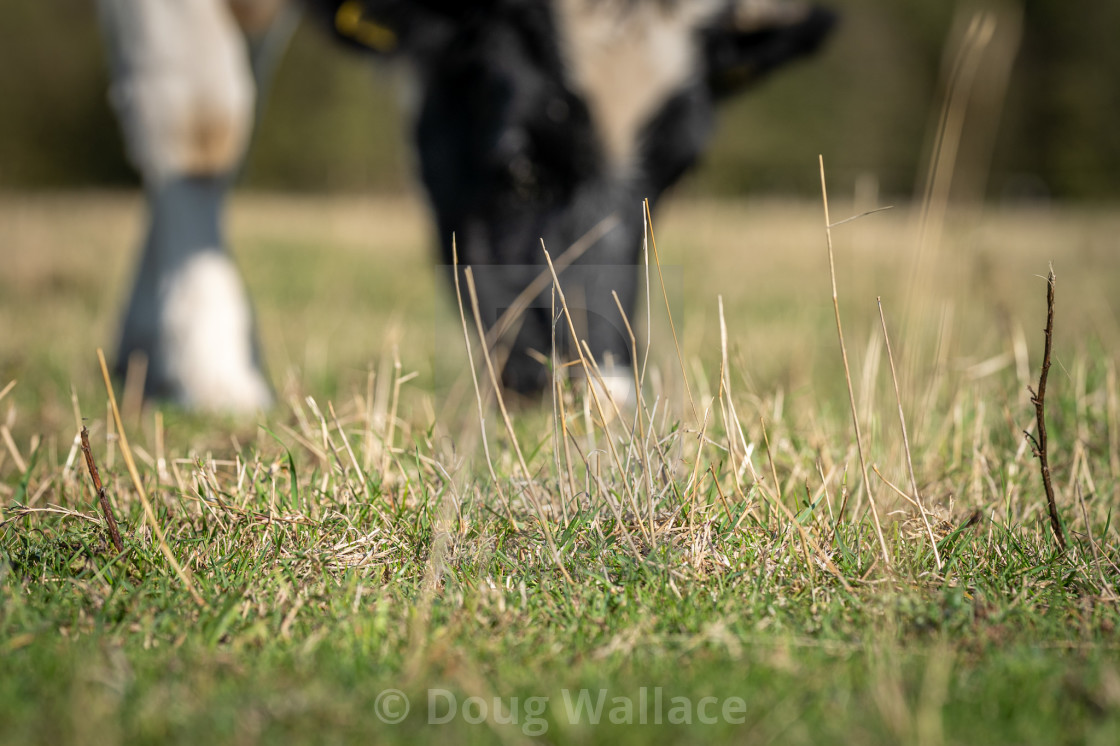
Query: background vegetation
point(867, 103)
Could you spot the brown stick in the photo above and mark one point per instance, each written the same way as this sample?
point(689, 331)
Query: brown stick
point(1039, 400)
point(106, 508)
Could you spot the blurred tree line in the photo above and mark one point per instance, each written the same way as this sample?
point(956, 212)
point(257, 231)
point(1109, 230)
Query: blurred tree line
point(870, 103)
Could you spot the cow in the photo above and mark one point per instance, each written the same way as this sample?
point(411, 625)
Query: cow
point(534, 121)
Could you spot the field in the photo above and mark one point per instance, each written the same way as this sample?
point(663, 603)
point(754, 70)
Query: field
point(369, 561)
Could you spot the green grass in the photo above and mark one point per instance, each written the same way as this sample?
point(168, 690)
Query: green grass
point(325, 579)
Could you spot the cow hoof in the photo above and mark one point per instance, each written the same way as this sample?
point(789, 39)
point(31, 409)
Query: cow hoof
point(208, 344)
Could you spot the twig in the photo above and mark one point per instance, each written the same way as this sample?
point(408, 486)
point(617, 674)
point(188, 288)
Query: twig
point(1038, 444)
point(106, 508)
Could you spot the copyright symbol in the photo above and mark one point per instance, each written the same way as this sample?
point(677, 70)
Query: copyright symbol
point(391, 706)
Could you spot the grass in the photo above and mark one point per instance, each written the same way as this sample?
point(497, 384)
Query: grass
point(352, 542)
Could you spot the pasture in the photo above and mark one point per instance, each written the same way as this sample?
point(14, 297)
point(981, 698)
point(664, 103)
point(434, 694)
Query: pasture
point(573, 576)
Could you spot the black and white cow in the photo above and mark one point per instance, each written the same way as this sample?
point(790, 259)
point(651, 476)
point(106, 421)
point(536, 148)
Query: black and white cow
point(533, 119)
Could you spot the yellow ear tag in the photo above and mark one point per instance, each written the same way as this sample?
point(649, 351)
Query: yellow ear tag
point(348, 21)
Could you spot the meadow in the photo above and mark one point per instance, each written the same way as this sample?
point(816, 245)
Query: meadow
point(390, 555)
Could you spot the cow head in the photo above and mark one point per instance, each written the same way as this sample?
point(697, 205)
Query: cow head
point(552, 120)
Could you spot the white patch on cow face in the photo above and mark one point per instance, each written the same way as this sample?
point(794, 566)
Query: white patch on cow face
point(626, 60)
point(206, 340)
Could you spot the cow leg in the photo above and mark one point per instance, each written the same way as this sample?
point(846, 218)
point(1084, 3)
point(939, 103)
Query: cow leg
point(184, 91)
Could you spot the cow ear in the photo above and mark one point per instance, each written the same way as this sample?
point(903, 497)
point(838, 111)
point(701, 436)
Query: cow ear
point(753, 37)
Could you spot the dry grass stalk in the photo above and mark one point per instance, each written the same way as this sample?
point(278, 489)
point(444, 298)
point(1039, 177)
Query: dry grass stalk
point(505, 322)
point(55, 509)
point(329, 445)
point(731, 416)
point(106, 508)
point(162, 475)
point(975, 73)
point(556, 395)
point(805, 536)
point(530, 484)
point(149, 513)
point(722, 497)
point(349, 449)
point(701, 439)
point(605, 421)
point(368, 443)
point(1113, 407)
point(10, 443)
point(132, 396)
point(561, 414)
point(637, 430)
point(592, 374)
point(1038, 398)
point(943, 158)
point(905, 437)
point(848, 376)
point(770, 459)
point(824, 488)
point(508, 323)
point(672, 325)
point(387, 455)
point(619, 520)
point(649, 303)
point(1106, 588)
point(477, 390)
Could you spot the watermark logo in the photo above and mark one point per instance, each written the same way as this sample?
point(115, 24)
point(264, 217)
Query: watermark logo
point(391, 706)
point(444, 707)
point(588, 707)
point(650, 707)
